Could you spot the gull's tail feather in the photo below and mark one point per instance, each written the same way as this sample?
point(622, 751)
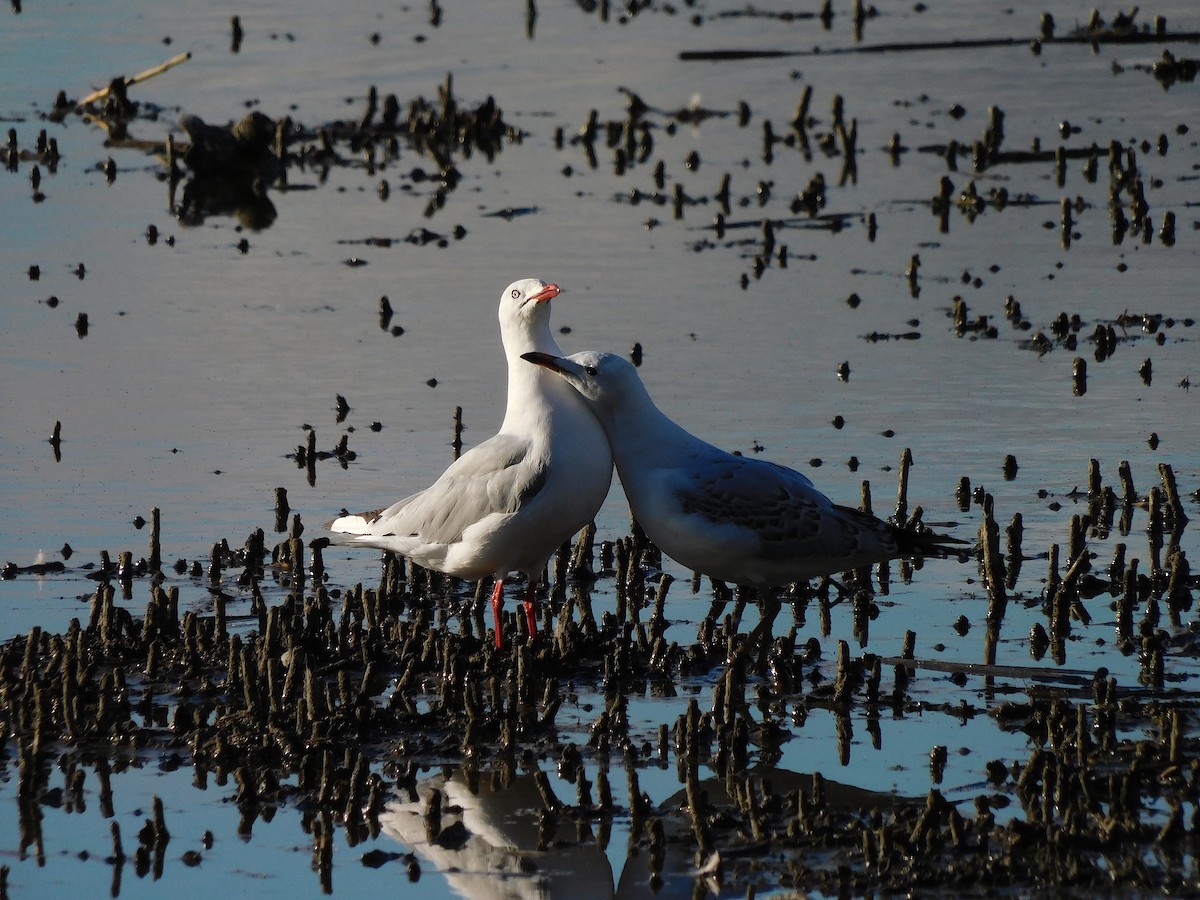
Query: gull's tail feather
point(916, 539)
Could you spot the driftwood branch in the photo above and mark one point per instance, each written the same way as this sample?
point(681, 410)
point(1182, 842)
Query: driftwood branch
point(1033, 673)
point(136, 79)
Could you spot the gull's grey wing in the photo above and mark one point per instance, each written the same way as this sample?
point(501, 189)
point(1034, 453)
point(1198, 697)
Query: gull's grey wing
point(496, 477)
point(781, 507)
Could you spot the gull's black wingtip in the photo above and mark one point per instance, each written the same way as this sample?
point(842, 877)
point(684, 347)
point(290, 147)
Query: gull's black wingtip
point(920, 540)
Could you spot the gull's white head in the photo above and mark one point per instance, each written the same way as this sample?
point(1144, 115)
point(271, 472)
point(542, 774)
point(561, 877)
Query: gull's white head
point(525, 313)
point(605, 380)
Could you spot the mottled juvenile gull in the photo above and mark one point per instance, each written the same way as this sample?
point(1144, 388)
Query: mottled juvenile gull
point(745, 521)
point(506, 505)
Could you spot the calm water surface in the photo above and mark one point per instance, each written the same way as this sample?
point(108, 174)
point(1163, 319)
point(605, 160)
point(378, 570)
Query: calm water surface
point(203, 360)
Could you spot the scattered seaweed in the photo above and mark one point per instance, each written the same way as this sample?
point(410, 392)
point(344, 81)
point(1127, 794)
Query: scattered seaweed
point(233, 166)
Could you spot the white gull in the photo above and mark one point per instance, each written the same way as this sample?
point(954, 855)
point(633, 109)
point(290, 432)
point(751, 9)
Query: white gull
point(736, 519)
point(506, 505)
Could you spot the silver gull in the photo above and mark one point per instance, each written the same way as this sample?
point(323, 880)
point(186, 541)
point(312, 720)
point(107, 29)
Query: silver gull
point(507, 504)
point(741, 520)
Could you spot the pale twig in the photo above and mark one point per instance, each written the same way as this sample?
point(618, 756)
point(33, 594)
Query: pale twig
point(139, 77)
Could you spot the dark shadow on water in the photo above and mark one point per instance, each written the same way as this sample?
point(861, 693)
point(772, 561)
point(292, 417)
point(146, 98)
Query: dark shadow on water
point(245, 201)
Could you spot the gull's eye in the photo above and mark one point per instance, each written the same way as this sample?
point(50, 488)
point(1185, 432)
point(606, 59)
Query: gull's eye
point(516, 294)
point(590, 370)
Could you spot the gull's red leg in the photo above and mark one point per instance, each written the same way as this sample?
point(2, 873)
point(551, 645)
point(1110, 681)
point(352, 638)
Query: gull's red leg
point(531, 608)
point(497, 609)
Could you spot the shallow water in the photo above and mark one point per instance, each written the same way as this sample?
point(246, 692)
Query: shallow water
point(203, 361)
